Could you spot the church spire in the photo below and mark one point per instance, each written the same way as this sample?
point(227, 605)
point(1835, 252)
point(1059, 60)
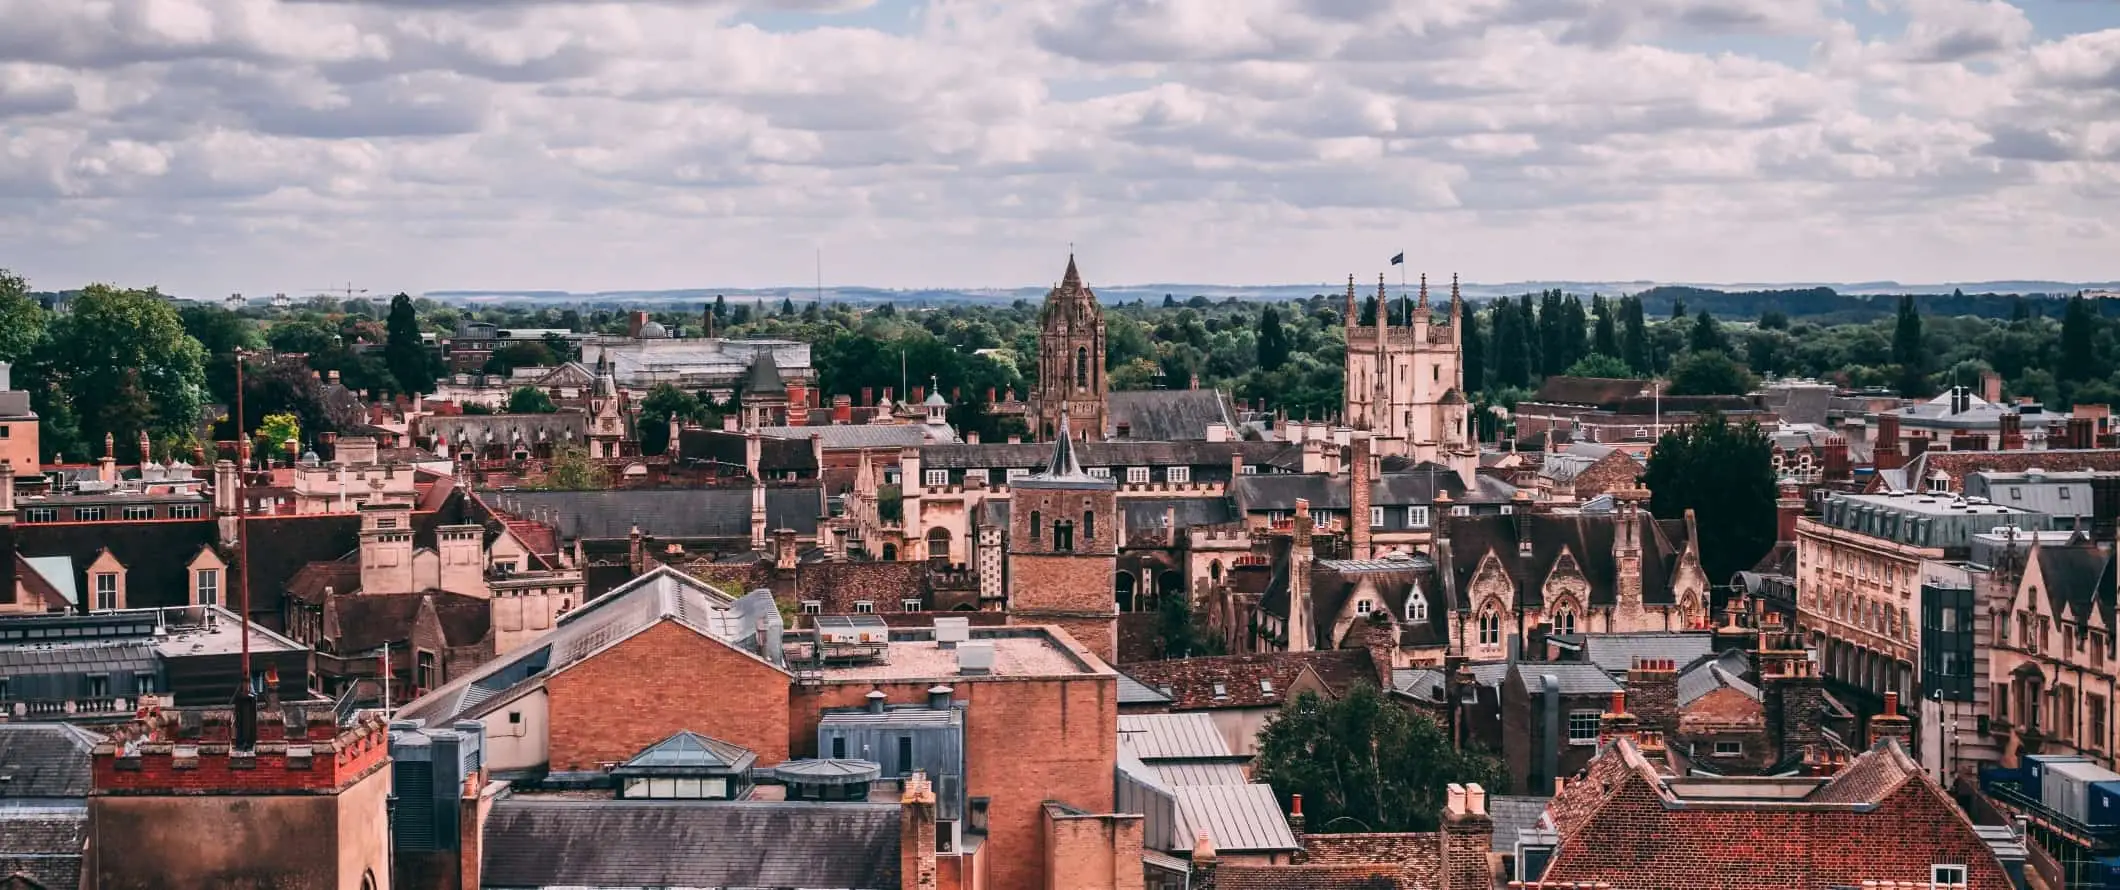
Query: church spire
point(1457, 303)
point(1352, 318)
point(1383, 303)
point(1073, 279)
point(1424, 292)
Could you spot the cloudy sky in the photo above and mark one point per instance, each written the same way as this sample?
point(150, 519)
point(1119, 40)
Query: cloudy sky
point(211, 146)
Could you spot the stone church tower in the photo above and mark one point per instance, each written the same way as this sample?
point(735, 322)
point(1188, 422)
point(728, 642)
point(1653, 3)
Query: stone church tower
point(1063, 550)
point(1405, 382)
point(1071, 381)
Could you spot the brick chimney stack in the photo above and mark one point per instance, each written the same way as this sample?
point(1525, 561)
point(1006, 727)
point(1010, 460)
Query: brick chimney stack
point(916, 834)
point(2011, 437)
point(1837, 467)
point(1468, 835)
point(1653, 682)
point(1991, 387)
point(1886, 453)
point(1358, 492)
point(1788, 507)
point(1617, 723)
point(1891, 724)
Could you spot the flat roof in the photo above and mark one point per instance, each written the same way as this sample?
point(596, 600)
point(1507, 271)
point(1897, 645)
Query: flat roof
point(1019, 652)
point(1934, 504)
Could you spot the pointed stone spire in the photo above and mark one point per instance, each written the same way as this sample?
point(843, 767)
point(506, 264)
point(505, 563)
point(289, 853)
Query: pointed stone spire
point(1064, 462)
point(1383, 303)
point(1424, 292)
point(1352, 318)
point(1073, 279)
point(1457, 302)
point(1064, 470)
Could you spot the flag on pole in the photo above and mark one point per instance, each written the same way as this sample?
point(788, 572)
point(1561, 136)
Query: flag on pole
point(1399, 259)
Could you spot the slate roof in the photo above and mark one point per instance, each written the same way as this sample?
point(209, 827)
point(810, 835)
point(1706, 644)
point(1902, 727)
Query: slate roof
point(1615, 653)
point(1167, 415)
point(43, 844)
point(763, 377)
point(1425, 684)
point(662, 594)
point(1512, 813)
point(44, 761)
point(853, 436)
point(2079, 580)
point(666, 513)
point(1575, 678)
point(366, 621)
point(1710, 676)
point(560, 428)
point(1591, 391)
point(1334, 582)
point(1033, 455)
point(1280, 492)
point(1062, 470)
point(1145, 513)
point(1134, 692)
point(1466, 540)
point(728, 449)
point(627, 843)
point(1955, 465)
point(338, 576)
point(1191, 681)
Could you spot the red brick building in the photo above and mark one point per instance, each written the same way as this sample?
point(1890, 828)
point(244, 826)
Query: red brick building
point(1064, 550)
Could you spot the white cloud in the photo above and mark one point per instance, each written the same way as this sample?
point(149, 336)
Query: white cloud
point(217, 145)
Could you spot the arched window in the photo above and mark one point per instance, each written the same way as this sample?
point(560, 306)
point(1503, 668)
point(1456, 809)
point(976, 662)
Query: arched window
point(1490, 627)
point(1035, 526)
point(1089, 525)
point(890, 553)
point(1417, 605)
point(1082, 366)
point(1564, 619)
point(1063, 536)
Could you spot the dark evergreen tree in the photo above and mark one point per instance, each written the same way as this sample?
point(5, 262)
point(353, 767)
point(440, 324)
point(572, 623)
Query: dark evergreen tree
point(1534, 339)
point(1552, 334)
point(1272, 341)
point(1724, 475)
point(787, 306)
point(1634, 336)
point(403, 352)
point(1773, 320)
point(1707, 336)
point(1575, 330)
point(1369, 311)
point(1512, 349)
point(721, 310)
point(1908, 352)
point(2079, 337)
point(1678, 309)
point(1472, 341)
point(1605, 340)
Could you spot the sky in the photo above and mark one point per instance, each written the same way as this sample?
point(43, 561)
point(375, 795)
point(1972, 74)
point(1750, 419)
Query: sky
point(259, 146)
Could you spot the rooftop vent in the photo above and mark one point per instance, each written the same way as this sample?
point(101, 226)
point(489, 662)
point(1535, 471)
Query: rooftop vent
point(875, 701)
point(938, 697)
point(951, 631)
point(975, 658)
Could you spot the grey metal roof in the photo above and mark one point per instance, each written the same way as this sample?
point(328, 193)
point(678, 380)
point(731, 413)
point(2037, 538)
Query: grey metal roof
point(58, 571)
point(663, 594)
point(1134, 692)
point(44, 760)
point(1063, 471)
point(43, 844)
point(1238, 818)
point(1188, 736)
point(1615, 653)
point(535, 843)
point(669, 513)
point(1173, 773)
point(764, 376)
point(2055, 494)
point(1122, 453)
point(1715, 674)
point(1280, 492)
point(1575, 678)
point(828, 771)
point(689, 753)
point(1512, 813)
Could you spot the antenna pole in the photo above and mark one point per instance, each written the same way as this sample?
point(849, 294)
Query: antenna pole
point(820, 278)
point(246, 703)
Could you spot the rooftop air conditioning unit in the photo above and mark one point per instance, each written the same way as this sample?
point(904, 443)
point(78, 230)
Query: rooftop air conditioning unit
point(975, 658)
point(951, 631)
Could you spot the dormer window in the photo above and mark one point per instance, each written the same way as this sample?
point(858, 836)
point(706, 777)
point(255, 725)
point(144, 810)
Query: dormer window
point(1177, 475)
point(106, 590)
point(1221, 690)
point(1417, 606)
point(1137, 475)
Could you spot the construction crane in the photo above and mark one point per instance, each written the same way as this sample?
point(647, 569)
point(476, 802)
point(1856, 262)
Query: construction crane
point(348, 292)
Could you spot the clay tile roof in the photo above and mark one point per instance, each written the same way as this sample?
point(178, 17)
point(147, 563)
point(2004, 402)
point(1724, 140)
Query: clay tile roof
point(1314, 877)
point(337, 576)
point(1588, 390)
point(1251, 681)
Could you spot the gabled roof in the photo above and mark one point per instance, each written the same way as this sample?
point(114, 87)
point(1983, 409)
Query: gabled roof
point(1034, 455)
point(662, 594)
point(763, 377)
point(1164, 737)
point(626, 843)
point(666, 512)
point(1466, 541)
point(1251, 681)
point(1614, 653)
point(44, 760)
point(1168, 415)
point(2079, 579)
point(1134, 692)
point(1244, 818)
point(1575, 678)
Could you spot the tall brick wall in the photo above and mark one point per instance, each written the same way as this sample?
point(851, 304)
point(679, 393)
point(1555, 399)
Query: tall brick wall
point(1026, 741)
point(1073, 592)
point(1095, 852)
point(665, 679)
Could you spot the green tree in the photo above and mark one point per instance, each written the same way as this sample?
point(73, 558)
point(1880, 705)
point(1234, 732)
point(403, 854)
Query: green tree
point(1634, 336)
point(404, 352)
point(1512, 351)
point(1363, 763)
point(657, 407)
point(1710, 374)
point(787, 306)
point(721, 311)
point(1184, 635)
point(1599, 365)
point(1774, 320)
point(523, 354)
point(2079, 334)
point(1272, 342)
point(21, 319)
point(573, 470)
point(530, 400)
point(1605, 339)
point(124, 364)
point(1707, 336)
point(1908, 352)
point(301, 336)
point(1724, 475)
point(273, 434)
point(1473, 343)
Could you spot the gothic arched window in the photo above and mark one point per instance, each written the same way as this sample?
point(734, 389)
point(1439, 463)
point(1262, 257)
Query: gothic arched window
point(1082, 366)
point(1417, 605)
point(1490, 627)
point(1564, 619)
